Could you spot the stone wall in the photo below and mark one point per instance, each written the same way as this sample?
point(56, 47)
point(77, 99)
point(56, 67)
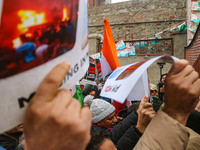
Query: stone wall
point(179, 43)
point(141, 19)
point(192, 51)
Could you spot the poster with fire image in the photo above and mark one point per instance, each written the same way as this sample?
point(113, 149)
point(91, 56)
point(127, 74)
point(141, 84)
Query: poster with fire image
point(35, 36)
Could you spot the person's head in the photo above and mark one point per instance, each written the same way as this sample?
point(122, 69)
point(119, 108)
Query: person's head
point(163, 77)
point(92, 93)
point(100, 140)
point(153, 89)
point(103, 113)
point(102, 83)
point(88, 90)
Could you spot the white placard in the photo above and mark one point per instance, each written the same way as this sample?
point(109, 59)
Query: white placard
point(128, 81)
point(27, 25)
point(140, 89)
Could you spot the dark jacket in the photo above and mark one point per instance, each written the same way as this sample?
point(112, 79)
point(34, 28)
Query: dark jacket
point(7, 143)
point(193, 121)
point(124, 135)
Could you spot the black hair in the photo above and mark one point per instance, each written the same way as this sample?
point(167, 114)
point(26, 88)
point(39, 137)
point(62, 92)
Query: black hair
point(97, 138)
point(163, 75)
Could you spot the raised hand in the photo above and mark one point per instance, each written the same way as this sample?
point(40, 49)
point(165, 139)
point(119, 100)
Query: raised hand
point(54, 120)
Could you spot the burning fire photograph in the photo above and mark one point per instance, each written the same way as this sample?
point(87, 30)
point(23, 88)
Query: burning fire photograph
point(33, 32)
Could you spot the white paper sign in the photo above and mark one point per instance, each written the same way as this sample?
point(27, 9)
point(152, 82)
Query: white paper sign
point(59, 29)
point(128, 81)
point(140, 89)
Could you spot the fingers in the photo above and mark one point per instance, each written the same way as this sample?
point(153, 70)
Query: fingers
point(144, 104)
point(147, 105)
point(149, 113)
point(196, 88)
point(83, 114)
point(144, 100)
point(187, 76)
point(149, 109)
point(48, 88)
point(192, 77)
point(186, 71)
point(152, 114)
point(145, 114)
point(74, 107)
point(62, 99)
point(86, 116)
point(178, 67)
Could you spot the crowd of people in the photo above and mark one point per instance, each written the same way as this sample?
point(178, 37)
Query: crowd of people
point(42, 44)
point(55, 120)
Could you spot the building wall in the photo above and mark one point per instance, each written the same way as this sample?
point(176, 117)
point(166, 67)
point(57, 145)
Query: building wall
point(137, 19)
point(153, 70)
point(179, 43)
point(95, 3)
point(192, 51)
point(140, 19)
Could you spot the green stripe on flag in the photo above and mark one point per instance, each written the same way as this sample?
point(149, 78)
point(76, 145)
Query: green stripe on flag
point(78, 95)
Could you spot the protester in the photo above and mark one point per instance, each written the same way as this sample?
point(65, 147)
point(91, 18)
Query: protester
point(49, 113)
point(54, 120)
point(103, 113)
point(100, 140)
point(182, 93)
point(126, 133)
point(161, 87)
point(153, 90)
point(88, 90)
point(154, 95)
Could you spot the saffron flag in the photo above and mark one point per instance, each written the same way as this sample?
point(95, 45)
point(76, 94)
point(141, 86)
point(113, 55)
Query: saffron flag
point(109, 60)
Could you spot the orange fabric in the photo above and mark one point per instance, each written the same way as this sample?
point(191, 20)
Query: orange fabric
point(109, 51)
point(109, 48)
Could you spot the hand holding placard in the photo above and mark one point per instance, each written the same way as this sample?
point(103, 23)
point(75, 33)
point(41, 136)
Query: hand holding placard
point(131, 81)
point(183, 91)
point(55, 111)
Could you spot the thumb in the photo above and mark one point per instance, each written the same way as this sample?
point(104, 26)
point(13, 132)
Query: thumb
point(178, 66)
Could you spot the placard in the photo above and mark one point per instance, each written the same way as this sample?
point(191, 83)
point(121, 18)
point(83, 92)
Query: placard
point(131, 81)
point(35, 36)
